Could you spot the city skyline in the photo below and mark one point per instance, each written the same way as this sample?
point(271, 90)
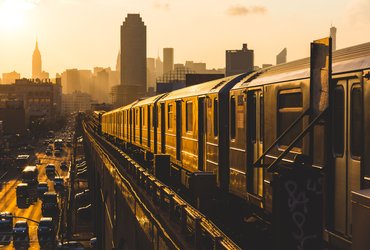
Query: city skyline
point(67, 43)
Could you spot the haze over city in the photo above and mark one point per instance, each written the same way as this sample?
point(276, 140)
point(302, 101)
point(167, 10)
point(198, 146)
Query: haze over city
point(84, 34)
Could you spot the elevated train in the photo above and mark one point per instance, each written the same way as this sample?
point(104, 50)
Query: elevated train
point(233, 130)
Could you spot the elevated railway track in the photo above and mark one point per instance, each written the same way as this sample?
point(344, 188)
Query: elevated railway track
point(164, 220)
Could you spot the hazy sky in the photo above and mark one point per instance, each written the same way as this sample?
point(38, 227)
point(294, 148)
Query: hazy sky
point(86, 33)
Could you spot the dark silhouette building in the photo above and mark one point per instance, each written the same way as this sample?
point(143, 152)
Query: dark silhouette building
point(133, 60)
point(239, 61)
point(281, 57)
point(167, 60)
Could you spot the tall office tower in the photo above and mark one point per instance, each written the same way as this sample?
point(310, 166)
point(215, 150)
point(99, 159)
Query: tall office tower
point(150, 79)
point(239, 61)
point(167, 60)
point(133, 59)
point(118, 62)
point(281, 57)
point(333, 35)
point(36, 62)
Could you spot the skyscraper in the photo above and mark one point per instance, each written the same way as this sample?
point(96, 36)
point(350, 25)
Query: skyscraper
point(158, 67)
point(239, 61)
point(167, 60)
point(281, 57)
point(133, 58)
point(333, 35)
point(36, 62)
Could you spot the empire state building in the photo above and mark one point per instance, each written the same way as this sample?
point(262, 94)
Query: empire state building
point(36, 63)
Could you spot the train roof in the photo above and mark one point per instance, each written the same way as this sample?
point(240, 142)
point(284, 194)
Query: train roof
point(120, 108)
point(148, 100)
point(344, 60)
point(202, 88)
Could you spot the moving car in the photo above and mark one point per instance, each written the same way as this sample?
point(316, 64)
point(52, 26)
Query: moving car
point(64, 166)
point(23, 196)
point(58, 184)
point(49, 205)
point(20, 231)
point(42, 188)
point(50, 170)
point(57, 153)
point(30, 174)
point(45, 230)
point(6, 222)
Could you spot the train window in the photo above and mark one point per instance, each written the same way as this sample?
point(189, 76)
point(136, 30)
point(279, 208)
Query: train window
point(356, 120)
point(215, 117)
point(338, 121)
point(289, 108)
point(169, 116)
point(232, 117)
point(189, 116)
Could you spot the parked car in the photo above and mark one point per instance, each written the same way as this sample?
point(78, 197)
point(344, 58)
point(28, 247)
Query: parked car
point(85, 213)
point(93, 243)
point(42, 188)
point(45, 230)
point(83, 198)
point(79, 170)
point(70, 245)
point(6, 222)
point(20, 231)
point(82, 175)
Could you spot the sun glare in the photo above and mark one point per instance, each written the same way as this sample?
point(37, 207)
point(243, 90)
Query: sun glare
point(13, 13)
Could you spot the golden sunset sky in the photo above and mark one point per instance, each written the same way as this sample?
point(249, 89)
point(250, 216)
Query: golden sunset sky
point(86, 33)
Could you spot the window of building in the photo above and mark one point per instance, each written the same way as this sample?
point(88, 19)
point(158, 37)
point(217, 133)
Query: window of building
point(338, 121)
point(189, 116)
point(290, 106)
point(169, 116)
point(215, 117)
point(232, 117)
point(356, 121)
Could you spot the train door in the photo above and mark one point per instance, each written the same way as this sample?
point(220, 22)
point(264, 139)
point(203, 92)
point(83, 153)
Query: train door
point(255, 140)
point(131, 124)
point(347, 148)
point(149, 124)
point(178, 129)
point(201, 133)
point(163, 129)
